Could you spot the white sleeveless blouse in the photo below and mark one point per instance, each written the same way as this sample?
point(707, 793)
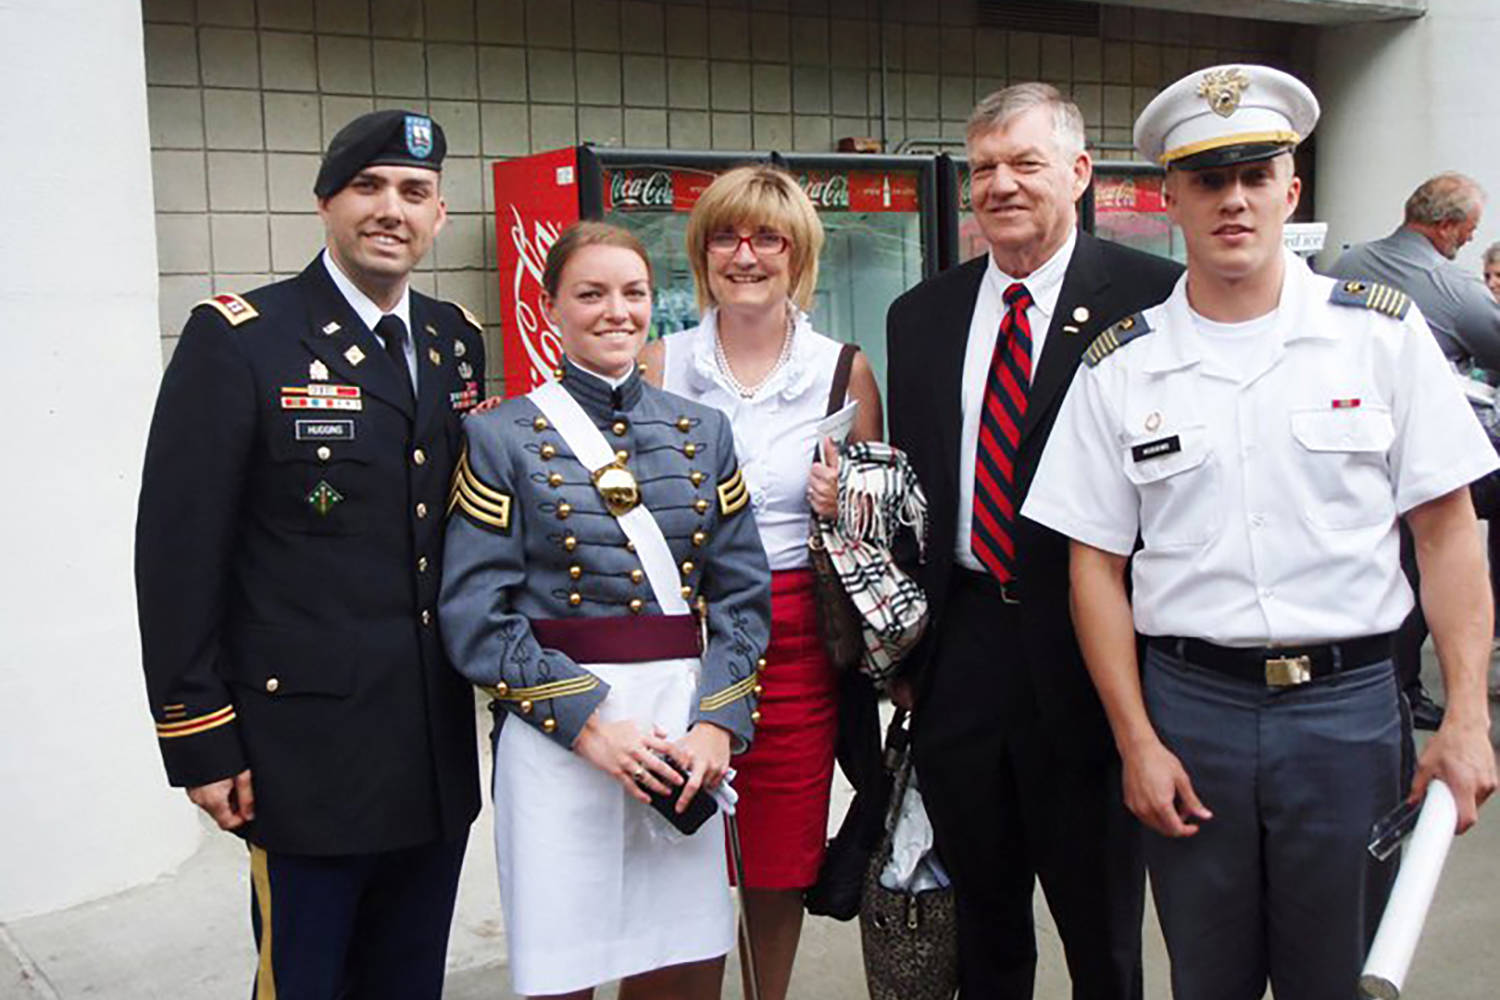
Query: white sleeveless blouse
point(775, 431)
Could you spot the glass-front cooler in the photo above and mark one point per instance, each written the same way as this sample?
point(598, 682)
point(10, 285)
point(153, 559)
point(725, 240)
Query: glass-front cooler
point(880, 214)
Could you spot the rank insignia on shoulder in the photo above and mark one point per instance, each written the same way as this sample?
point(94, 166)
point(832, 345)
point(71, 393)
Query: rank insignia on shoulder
point(733, 495)
point(1115, 337)
point(234, 309)
point(484, 506)
point(1371, 295)
point(470, 317)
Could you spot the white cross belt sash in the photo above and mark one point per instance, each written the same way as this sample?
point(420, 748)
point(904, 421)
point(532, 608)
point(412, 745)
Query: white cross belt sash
point(618, 487)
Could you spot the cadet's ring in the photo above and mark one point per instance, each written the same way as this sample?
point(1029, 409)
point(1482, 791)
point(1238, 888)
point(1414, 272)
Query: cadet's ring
point(638, 773)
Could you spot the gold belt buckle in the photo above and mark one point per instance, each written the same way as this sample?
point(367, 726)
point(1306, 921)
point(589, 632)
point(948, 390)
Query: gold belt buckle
point(1288, 671)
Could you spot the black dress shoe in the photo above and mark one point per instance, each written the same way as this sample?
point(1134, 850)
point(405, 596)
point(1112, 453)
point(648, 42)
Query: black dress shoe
point(1425, 713)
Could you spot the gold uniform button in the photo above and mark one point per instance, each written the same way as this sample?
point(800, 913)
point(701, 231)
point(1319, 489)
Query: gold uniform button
point(419, 457)
point(690, 449)
point(325, 452)
point(686, 591)
point(421, 564)
point(575, 598)
point(697, 477)
point(421, 510)
point(539, 424)
point(273, 684)
point(629, 545)
point(636, 576)
point(502, 689)
point(700, 505)
point(563, 510)
point(684, 424)
point(426, 617)
point(548, 452)
point(760, 664)
point(525, 708)
point(699, 538)
point(636, 604)
point(549, 726)
point(570, 543)
point(622, 456)
point(620, 428)
point(575, 571)
point(555, 479)
point(759, 690)
point(687, 568)
point(755, 717)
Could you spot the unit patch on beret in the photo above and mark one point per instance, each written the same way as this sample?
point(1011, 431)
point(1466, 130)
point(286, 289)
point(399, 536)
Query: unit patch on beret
point(485, 506)
point(1371, 295)
point(234, 309)
point(1115, 337)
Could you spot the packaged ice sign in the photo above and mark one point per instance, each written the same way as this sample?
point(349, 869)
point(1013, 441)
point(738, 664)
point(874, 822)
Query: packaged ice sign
point(1304, 238)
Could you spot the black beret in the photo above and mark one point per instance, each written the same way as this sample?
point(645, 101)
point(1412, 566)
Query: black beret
point(396, 137)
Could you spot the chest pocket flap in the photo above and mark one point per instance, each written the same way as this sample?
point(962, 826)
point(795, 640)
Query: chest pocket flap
point(1155, 457)
point(1362, 429)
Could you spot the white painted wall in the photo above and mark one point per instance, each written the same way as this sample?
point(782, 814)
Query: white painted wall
point(1402, 101)
point(86, 810)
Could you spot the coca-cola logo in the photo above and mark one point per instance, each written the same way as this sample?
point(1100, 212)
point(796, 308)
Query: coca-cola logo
point(826, 192)
point(641, 190)
point(537, 334)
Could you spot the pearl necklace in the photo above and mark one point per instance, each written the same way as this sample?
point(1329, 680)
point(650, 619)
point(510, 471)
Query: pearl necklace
point(749, 391)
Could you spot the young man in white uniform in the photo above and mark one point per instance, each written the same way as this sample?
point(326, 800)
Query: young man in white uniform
point(1262, 431)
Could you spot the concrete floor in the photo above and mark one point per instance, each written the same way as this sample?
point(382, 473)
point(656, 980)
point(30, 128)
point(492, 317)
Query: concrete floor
point(186, 935)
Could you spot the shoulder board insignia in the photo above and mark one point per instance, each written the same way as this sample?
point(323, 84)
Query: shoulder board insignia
point(484, 506)
point(234, 309)
point(733, 494)
point(1116, 337)
point(470, 317)
point(1371, 295)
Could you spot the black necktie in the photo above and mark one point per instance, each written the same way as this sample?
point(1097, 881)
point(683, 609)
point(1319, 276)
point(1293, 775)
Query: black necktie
point(393, 332)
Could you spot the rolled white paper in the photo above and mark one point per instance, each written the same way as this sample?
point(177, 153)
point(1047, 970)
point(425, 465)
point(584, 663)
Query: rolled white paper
point(1406, 911)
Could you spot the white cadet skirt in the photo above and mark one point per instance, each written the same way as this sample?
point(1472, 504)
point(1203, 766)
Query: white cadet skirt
point(595, 886)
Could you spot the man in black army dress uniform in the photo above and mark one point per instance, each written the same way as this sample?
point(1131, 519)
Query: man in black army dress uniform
point(288, 554)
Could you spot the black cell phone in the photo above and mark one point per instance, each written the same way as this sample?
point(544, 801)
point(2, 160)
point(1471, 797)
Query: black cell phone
point(698, 812)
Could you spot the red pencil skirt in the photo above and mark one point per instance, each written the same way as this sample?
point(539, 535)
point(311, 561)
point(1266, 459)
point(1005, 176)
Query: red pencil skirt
point(784, 779)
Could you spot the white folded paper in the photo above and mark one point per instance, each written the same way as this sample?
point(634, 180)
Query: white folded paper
point(1401, 925)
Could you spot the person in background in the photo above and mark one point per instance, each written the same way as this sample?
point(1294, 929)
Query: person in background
point(588, 519)
point(288, 552)
point(1441, 216)
point(754, 239)
point(1246, 449)
point(1492, 269)
point(1017, 770)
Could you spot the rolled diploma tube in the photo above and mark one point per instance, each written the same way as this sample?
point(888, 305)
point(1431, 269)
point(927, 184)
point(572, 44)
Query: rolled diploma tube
point(1406, 911)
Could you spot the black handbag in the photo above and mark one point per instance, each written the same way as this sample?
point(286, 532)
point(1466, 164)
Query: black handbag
point(838, 620)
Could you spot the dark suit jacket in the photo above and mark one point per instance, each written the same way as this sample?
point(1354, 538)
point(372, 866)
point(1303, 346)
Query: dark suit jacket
point(287, 568)
point(927, 332)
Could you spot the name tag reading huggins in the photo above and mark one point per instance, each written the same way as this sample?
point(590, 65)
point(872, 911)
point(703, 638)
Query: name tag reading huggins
point(325, 430)
point(1155, 449)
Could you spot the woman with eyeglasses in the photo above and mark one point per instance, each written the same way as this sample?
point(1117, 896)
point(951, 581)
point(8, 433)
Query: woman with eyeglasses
point(754, 239)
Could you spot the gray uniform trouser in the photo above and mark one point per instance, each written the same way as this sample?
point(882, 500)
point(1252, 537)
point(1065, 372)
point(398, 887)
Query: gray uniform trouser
point(1278, 884)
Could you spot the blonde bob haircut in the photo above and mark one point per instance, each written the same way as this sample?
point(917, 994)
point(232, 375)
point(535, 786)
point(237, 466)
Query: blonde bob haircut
point(758, 197)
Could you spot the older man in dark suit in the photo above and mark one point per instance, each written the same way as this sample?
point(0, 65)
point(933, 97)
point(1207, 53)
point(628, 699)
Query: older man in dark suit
point(1014, 755)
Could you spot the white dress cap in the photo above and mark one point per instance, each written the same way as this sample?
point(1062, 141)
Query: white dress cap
point(1226, 114)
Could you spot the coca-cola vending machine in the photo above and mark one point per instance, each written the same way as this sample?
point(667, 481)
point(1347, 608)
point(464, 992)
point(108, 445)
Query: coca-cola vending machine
point(1123, 205)
point(879, 212)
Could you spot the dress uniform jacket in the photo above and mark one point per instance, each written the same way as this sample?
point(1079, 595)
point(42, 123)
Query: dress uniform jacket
point(288, 559)
point(531, 540)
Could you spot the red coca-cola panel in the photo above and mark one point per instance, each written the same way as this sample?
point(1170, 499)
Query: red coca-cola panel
point(654, 189)
point(1128, 194)
point(882, 192)
point(536, 198)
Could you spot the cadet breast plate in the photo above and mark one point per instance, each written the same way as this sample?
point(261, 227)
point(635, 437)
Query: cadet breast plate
point(617, 485)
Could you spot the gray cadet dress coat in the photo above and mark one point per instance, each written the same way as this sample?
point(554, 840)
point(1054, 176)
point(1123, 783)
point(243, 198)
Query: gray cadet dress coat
point(531, 540)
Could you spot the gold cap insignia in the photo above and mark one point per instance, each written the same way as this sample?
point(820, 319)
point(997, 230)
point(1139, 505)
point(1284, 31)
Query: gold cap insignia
point(1222, 89)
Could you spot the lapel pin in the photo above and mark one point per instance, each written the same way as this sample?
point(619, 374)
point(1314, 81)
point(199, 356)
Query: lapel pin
point(465, 370)
point(459, 350)
point(317, 371)
point(330, 328)
point(434, 356)
point(1081, 314)
point(354, 355)
point(1069, 329)
point(1153, 420)
point(432, 330)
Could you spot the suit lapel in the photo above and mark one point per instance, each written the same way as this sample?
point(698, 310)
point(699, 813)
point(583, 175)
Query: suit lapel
point(434, 362)
point(341, 341)
point(1083, 286)
point(952, 323)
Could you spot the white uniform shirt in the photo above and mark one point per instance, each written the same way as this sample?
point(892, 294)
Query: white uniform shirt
point(1045, 285)
point(1266, 498)
point(775, 431)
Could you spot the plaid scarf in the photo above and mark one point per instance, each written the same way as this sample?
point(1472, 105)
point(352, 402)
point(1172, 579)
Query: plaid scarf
point(878, 495)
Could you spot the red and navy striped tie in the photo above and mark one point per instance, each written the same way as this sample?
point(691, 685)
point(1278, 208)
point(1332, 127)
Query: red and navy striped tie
point(1000, 421)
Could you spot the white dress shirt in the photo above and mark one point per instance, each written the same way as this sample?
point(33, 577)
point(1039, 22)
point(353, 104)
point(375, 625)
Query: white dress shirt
point(1266, 497)
point(370, 314)
point(1044, 284)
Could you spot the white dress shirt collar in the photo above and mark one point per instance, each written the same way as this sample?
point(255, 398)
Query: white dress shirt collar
point(368, 311)
point(1044, 284)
